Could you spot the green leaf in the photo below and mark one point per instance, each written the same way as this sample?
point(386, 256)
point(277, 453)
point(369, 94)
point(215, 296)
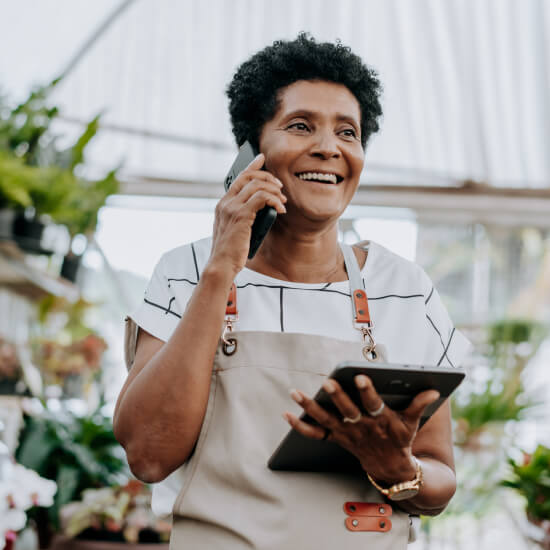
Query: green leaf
point(36, 446)
point(77, 150)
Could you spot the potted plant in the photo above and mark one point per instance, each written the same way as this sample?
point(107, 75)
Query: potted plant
point(531, 479)
point(39, 181)
point(67, 351)
point(105, 518)
point(77, 452)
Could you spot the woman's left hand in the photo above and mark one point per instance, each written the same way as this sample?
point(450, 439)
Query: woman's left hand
point(382, 442)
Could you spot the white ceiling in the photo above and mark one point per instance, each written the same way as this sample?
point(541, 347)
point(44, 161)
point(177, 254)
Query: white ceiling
point(467, 82)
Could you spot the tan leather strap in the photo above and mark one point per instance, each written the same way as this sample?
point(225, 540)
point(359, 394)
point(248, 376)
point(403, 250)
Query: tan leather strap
point(361, 307)
point(371, 509)
point(231, 308)
point(365, 523)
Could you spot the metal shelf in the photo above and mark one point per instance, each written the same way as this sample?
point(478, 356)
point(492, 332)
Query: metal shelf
point(20, 277)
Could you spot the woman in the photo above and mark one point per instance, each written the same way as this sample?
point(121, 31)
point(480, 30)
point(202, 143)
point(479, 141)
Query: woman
point(205, 422)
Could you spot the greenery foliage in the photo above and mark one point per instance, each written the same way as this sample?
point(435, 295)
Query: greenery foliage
point(531, 479)
point(501, 397)
point(35, 173)
point(487, 411)
point(78, 452)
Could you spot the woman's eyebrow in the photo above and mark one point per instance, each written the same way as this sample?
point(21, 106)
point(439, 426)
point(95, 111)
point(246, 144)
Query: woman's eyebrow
point(341, 117)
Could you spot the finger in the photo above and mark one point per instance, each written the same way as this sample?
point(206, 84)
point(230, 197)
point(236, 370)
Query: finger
point(307, 430)
point(255, 185)
point(341, 399)
point(369, 396)
point(315, 411)
point(414, 411)
point(256, 163)
point(262, 198)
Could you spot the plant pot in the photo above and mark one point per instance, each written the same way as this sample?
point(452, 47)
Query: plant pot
point(70, 266)
point(27, 233)
point(65, 543)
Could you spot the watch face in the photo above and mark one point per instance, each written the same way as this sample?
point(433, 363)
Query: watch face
point(404, 494)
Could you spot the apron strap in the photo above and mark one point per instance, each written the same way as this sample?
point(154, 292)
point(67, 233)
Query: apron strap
point(359, 301)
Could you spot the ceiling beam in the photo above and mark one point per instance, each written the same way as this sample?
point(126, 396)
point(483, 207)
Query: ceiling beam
point(467, 203)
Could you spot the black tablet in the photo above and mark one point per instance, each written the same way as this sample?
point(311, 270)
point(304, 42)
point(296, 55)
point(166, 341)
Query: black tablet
point(396, 384)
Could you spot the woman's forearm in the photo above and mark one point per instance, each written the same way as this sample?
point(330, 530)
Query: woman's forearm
point(160, 411)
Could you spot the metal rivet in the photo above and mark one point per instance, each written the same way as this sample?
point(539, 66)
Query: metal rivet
point(230, 303)
point(361, 312)
point(382, 510)
point(355, 523)
point(352, 507)
point(382, 524)
point(359, 295)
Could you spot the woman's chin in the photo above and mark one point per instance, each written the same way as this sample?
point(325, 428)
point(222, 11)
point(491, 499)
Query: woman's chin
point(318, 214)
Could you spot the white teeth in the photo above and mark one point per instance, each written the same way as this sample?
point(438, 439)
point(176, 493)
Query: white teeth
point(329, 178)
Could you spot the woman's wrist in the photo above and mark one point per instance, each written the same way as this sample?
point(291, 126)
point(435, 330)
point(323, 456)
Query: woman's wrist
point(393, 472)
point(219, 273)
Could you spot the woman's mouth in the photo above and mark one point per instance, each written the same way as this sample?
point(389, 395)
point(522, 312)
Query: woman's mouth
point(321, 177)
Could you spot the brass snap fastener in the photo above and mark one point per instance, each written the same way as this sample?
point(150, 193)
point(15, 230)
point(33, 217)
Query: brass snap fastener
point(355, 523)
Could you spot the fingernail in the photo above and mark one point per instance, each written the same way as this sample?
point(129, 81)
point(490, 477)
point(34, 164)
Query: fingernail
point(286, 416)
point(361, 381)
point(328, 386)
point(279, 182)
point(296, 396)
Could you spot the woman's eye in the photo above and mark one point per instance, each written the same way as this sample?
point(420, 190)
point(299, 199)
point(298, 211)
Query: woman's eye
point(299, 126)
point(349, 132)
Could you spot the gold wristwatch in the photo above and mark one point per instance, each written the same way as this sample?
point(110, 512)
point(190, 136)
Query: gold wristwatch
point(403, 490)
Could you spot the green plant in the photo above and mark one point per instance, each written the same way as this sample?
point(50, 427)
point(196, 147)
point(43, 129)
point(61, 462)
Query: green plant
point(35, 173)
point(501, 398)
point(487, 409)
point(531, 479)
point(78, 452)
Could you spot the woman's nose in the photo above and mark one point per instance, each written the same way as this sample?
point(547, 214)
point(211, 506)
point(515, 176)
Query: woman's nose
point(325, 146)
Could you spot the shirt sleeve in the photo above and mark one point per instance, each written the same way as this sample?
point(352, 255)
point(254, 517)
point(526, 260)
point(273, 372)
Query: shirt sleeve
point(448, 346)
point(159, 312)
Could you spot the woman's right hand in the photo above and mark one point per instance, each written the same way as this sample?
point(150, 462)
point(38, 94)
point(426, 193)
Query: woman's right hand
point(253, 189)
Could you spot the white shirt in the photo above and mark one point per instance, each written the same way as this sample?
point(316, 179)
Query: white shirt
point(408, 315)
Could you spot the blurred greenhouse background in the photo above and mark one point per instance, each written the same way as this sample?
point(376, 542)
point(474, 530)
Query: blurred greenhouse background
point(458, 180)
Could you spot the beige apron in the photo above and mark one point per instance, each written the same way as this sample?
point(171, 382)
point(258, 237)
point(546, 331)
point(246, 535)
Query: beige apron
point(231, 500)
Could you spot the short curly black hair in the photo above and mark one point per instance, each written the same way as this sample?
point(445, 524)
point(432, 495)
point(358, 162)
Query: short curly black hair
point(254, 91)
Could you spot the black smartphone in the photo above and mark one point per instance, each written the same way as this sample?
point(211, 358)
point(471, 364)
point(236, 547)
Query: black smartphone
point(266, 216)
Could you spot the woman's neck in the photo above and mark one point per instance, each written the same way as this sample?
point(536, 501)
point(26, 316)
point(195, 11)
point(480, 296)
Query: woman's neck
point(305, 257)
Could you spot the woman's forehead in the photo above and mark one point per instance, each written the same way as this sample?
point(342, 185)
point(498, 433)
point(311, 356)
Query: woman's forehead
point(318, 96)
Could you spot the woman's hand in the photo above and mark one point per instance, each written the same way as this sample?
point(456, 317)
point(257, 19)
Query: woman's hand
point(382, 443)
point(235, 213)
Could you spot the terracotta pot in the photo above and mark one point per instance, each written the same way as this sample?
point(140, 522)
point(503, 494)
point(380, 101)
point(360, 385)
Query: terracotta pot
point(64, 543)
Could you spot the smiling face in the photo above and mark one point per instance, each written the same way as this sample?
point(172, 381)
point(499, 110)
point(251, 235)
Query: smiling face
point(313, 145)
